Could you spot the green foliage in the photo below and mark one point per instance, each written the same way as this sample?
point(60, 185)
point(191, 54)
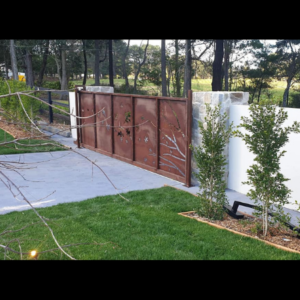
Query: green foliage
point(55, 85)
point(211, 162)
point(12, 105)
point(295, 100)
point(265, 137)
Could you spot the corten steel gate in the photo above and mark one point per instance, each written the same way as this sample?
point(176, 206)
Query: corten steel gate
point(150, 132)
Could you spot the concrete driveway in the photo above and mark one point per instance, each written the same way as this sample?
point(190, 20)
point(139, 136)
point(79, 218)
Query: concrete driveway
point(51, 178)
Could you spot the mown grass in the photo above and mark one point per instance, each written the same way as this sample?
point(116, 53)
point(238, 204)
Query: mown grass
point(147, 227)
point(27, 145)
point(198, 85)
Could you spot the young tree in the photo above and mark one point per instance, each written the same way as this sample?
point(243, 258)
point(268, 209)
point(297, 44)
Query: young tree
point(265, 136)
point(211, 161)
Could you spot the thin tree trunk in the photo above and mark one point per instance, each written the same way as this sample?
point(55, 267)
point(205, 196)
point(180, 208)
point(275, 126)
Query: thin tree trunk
point(177, 77)
point(260, 88)
point(13, 60)
point(64, 79)
point(110, 57)
point(44, 63)
point(124, 66)
point(286, 92)
point(28, 61)
point(217, 67)
point(139, 67)
point(226, 63)
point(58, 66)
point(97, 58)
point(163, 68)
point(85, 63)
point(188, 68)
point(6, 64)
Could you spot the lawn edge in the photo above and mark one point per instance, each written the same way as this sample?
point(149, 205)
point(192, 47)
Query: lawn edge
point(236, 232)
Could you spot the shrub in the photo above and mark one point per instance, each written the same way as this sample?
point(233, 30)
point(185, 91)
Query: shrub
point(265, 137)
point(12, 105)
point(211, 162)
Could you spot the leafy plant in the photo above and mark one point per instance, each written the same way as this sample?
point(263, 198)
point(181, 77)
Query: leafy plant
point(12, 105)
point(265, 137)
point(211, 162)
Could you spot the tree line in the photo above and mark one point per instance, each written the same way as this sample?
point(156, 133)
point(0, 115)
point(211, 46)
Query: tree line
point(246, 65)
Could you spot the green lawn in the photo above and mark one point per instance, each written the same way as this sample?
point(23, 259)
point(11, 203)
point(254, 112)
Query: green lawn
point(27, 146)
point(147, 227)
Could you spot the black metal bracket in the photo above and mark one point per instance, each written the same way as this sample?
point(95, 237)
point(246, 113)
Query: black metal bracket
point(232, 211)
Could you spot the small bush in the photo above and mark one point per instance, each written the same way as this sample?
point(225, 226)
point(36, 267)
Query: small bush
point(11, 104)
point(210, 162)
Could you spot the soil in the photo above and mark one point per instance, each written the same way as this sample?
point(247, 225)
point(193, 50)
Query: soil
point(56, 123)
point(20, 131)
point(250, 226)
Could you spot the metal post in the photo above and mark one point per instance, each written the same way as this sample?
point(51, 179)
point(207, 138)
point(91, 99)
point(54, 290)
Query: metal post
point(50, 108)
point(189, 108)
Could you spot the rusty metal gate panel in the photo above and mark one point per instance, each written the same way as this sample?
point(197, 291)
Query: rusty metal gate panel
point(173, 137)
point(145, 146)
point(122, 118)
point(103, 107)
point(87, 109)
point(150, 132)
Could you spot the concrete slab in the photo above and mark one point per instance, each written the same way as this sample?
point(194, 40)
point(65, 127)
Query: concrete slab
point(59, 177)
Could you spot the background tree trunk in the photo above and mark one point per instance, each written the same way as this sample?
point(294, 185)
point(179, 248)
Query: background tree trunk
point(163, 69)
point(28, 62)
point(13, 60)
point(187, 69)
point(64, 79)
point(97, 59)
point(217, 67)
point(139, 67)
point(85, 63)
point(110, 57)
point(124, 66)
point(44, 63)
point(177, 75)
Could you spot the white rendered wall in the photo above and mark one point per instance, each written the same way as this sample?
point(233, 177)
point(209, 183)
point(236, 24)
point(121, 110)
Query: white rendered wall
point(73, 111)
point(240, 158)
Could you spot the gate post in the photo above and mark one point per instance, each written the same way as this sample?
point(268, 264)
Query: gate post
point(189, 108)
point(77, 112)
point(50, 108)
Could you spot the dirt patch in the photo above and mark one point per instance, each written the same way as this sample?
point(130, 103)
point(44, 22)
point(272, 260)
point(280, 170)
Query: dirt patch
point(56, 124)
point(20, 131)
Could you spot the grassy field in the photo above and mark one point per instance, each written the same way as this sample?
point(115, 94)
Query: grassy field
point(198, 85)
point(147, 227)
point(27, 146)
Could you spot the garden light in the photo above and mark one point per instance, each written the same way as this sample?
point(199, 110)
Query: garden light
point(33, 254)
